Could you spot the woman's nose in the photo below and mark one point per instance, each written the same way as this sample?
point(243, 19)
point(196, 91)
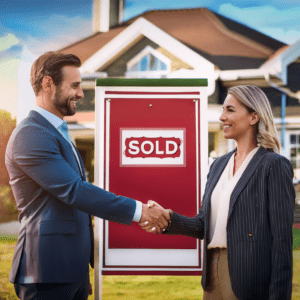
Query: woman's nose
point(222, 117)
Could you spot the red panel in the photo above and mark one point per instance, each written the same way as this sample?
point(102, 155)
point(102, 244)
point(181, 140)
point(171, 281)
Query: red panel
point(172, 187)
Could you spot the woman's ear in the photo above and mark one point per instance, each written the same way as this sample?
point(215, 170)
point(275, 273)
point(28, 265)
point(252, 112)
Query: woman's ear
point(254, 118)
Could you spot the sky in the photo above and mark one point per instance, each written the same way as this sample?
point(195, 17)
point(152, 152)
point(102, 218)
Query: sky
point(40, 26)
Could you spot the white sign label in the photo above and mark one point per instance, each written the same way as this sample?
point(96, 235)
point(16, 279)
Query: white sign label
point(152, 147)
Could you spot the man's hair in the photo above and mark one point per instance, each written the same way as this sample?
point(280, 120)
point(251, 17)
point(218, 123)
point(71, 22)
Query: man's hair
point(51, 64)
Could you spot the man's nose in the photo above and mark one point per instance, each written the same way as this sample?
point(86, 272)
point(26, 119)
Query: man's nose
point(80, 93)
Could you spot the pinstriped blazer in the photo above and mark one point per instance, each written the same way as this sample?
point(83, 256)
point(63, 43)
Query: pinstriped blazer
point(259, 227)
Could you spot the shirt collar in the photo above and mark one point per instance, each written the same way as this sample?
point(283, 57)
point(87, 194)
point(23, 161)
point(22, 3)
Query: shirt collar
point(53, 119)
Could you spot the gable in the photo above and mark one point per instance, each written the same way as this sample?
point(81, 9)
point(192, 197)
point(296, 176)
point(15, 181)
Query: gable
point(118, 67)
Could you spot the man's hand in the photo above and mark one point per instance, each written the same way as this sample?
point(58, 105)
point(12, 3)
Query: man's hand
point(154, 217)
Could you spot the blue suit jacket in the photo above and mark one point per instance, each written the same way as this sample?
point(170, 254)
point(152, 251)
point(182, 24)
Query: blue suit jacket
point(259, 227)
point(55, 201)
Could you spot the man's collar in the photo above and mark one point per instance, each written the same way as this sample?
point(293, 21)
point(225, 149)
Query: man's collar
point(53, 119)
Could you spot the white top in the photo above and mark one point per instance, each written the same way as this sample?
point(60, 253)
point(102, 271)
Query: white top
point(220, 200)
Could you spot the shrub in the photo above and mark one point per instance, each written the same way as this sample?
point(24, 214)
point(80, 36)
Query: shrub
point(8, 207)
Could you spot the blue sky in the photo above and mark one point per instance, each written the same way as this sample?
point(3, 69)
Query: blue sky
point(49, 25)
point(41, 26)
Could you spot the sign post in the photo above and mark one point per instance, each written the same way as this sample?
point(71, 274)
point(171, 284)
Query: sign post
point(151, 143)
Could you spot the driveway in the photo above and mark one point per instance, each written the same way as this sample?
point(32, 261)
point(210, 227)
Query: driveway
point(12, 228)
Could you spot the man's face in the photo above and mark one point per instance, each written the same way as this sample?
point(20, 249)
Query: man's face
point(68, 93)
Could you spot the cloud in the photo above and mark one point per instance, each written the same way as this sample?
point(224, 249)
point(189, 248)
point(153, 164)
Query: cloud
point(8, 41)
point(281, 24)
point(54, 32)
point(136, 7)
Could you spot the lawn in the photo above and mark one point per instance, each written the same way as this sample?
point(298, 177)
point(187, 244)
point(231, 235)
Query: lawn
point(136, 287)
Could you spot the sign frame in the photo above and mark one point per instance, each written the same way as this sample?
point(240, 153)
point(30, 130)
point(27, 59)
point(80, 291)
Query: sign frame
point(108, 89)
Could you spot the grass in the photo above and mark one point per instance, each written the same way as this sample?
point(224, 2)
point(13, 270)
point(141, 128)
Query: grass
point(135, 287)
point(296, 235)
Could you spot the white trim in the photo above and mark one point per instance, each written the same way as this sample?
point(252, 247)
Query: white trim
point(273, 66)
point(203, 144)
point(144, 52)
point(280, 62)
point(150, 257)
point(163, 259)
point(90, 125)
point(104, 15)
point(149, 73)
point(238, 74)
point(142, 27)
point(99, 180)
point(146, 74)
point(289, 56)
point(94, 75)
point(289, 146)
point(107, 144)
point(288, 120)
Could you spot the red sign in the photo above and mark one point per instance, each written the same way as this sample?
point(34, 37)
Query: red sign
point(144, 173)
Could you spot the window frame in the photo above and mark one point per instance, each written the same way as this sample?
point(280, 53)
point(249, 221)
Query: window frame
point(148, 74)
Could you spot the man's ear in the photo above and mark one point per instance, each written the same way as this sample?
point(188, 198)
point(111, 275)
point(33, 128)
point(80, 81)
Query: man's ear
point(254, 118)
point(47, 84)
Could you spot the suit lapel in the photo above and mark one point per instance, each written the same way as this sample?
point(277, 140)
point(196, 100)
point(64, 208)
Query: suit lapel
point(251, 168)
point(81, 166)
point(44, 122)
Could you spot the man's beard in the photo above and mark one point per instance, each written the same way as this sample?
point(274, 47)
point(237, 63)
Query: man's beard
point(63, 105)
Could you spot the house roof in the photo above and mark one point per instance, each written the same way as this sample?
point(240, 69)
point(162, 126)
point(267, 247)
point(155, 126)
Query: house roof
point(224, 42)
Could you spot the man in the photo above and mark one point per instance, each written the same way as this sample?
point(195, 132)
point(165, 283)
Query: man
point(55, 244)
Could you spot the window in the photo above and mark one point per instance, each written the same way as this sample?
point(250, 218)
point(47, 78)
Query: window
point(87, 103)
point(292, 141)
point(149, 63)
point(295, 150)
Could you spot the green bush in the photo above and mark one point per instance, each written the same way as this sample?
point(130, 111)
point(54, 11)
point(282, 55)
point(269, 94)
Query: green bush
point(8, 207)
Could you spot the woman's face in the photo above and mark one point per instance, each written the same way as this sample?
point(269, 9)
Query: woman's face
point(237, 121)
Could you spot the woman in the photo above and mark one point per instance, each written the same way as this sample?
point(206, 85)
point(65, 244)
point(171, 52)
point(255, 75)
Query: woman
point(247, 210)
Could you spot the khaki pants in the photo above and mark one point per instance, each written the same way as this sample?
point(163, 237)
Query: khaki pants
point(219, 282)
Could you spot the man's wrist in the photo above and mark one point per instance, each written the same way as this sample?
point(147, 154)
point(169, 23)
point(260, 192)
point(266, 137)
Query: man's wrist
point(138, 211)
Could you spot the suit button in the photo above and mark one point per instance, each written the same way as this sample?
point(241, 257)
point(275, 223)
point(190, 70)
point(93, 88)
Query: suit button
point(250, 234)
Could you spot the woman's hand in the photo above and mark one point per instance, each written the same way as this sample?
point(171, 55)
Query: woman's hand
point(152, 203)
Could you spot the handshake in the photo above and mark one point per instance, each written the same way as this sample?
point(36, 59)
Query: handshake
point(154, 217)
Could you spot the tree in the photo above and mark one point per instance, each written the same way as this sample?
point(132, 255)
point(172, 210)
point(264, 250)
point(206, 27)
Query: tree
point(7, 125)
point(8, 210)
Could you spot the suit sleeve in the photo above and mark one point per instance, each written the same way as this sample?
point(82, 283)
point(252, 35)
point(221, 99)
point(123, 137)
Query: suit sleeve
point(281, 211)
point(193, 227)
point(37, 153)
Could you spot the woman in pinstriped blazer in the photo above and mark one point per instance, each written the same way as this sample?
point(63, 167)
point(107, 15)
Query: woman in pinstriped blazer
point(247, 210)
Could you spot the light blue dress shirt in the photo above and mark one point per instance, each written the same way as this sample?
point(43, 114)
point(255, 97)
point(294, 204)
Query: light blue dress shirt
point(57, 123)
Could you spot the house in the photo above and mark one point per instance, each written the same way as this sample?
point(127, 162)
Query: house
point(188, 43)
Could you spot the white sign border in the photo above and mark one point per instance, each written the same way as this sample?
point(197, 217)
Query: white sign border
point(101, 181)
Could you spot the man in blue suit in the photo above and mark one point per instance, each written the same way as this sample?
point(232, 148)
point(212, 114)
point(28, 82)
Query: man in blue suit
point(55, 244)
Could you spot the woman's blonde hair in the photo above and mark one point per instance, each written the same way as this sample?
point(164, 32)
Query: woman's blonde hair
point(255, 100)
